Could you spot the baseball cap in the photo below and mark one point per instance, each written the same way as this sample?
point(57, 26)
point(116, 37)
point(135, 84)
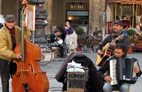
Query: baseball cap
point(118, 22)
point(10, 18)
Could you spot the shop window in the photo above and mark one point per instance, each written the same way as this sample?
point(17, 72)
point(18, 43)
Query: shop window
point(78, 17)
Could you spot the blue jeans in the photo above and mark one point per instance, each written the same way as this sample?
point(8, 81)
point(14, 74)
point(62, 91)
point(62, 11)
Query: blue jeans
point(123, 88)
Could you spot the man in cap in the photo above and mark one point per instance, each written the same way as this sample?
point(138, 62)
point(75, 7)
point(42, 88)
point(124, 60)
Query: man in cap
point(10, 38)
point(111, 38)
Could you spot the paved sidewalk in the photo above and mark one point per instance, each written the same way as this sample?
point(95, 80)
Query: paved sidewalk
point(54, 66)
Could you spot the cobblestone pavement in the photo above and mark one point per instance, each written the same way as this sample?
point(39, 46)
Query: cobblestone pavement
point(54, 66)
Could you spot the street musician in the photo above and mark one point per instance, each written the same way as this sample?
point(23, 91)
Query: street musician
point(10, 37)
point(107, 45)
point(119, 51)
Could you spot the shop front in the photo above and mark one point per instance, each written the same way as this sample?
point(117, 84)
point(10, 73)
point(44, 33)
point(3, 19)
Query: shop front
point(77, 13)
point(80, 13)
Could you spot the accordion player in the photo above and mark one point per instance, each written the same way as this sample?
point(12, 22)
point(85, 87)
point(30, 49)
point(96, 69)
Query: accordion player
point(122, 70)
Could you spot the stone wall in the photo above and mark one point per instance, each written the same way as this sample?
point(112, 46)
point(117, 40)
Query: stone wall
point(57, 13)
point(11, 7)
point(56, 10)
point(48, 6)
point(95, 14)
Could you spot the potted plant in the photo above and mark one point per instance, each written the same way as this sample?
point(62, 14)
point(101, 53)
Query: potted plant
point(79, 32)
point(131, 33)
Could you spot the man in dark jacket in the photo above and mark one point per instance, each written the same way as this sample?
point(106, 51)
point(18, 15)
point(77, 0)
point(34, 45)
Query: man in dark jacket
point(57, 37)
point(96, 33)
point(117, 31)
point(123, 86)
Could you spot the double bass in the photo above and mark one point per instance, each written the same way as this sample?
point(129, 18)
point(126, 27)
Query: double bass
point(28, 76)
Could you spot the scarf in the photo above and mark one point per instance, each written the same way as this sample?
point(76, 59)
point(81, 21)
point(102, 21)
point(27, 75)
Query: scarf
point(12, 32)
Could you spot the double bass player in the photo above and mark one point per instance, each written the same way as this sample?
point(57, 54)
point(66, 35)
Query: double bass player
point(10, 38)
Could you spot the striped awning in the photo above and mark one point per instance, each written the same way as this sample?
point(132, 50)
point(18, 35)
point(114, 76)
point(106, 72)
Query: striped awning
point(131, 2)
point(126, 1)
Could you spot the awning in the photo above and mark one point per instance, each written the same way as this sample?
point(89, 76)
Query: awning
point(125, 1)
point(131, 2)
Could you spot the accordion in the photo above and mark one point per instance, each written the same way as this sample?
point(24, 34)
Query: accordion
point(122, 70)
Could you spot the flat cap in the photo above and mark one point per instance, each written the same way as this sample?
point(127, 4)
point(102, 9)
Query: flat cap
point(118, 22)
point(10, 18)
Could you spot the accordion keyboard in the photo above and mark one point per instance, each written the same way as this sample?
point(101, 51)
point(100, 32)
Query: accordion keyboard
point(113, 72)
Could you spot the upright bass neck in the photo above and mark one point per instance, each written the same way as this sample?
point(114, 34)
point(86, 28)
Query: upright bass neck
point(24, 3)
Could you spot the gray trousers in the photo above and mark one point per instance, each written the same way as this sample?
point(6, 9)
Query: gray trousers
point(5, 74)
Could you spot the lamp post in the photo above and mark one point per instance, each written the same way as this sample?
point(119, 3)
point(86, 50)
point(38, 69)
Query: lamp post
point(103, 34)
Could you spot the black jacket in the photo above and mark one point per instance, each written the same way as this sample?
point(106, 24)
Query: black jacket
point(53, 38)
point(108, 39)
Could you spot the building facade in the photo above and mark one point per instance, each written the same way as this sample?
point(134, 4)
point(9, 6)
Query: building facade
point(80, 13)
point(128, 11)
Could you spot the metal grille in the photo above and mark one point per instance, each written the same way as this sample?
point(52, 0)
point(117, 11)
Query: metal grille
point(76, 80)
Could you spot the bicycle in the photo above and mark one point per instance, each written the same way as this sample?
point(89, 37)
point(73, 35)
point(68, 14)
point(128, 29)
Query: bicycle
point(46, 55)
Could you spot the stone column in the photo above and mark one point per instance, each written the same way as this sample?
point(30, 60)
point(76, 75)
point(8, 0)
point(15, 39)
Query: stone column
point(48, 7)
point(96, 18)
point(95, 14)
point(90, 15)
